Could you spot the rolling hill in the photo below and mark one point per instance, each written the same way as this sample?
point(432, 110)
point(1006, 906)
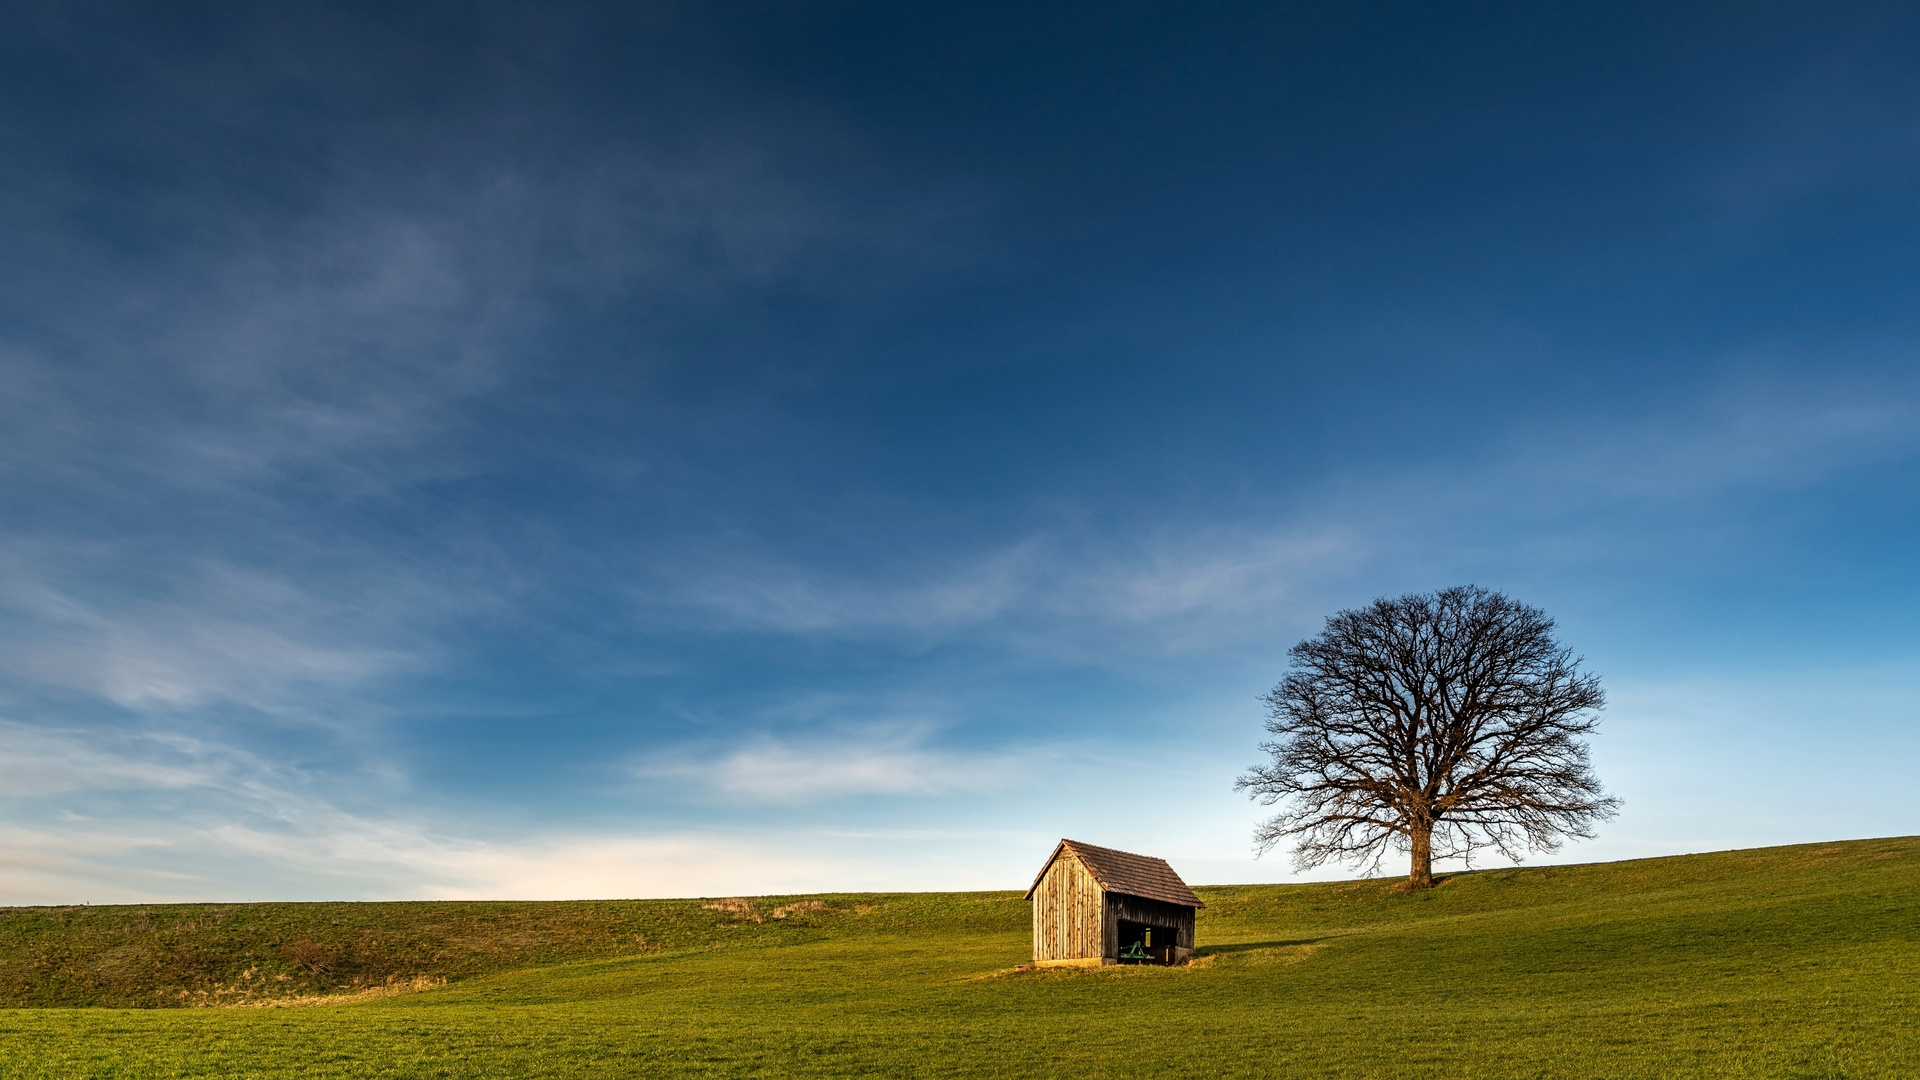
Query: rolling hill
point(1794, 961)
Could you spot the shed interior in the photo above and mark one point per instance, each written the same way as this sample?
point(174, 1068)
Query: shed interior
point(1145, 943)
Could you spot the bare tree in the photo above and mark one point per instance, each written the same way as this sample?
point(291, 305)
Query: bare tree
point(1437, 725)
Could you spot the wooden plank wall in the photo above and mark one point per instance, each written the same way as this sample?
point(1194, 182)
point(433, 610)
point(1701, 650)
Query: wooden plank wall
point(1068, 913)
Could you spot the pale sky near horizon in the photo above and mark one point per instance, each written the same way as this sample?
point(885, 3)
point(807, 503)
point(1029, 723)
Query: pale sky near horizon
point(650, 450)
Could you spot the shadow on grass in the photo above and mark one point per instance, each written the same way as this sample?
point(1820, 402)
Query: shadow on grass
point(1249, 946)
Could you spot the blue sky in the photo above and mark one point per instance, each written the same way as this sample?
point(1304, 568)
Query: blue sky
point(477, 450)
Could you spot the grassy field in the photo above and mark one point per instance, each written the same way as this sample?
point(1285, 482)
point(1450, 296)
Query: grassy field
point(1782, 962)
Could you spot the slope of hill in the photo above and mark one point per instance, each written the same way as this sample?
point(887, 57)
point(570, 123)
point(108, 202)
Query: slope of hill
point(161, 955)
point(1798, 961)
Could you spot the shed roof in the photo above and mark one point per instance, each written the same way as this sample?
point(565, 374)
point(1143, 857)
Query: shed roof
point(1125, 872)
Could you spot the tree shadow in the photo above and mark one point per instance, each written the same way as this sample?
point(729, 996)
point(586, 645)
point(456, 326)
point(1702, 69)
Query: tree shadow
point(1249, 946)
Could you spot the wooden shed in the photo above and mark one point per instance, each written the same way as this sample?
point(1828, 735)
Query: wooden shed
point(1094, 905)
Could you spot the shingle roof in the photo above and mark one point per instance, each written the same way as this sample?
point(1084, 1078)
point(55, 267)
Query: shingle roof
point(1125, 872)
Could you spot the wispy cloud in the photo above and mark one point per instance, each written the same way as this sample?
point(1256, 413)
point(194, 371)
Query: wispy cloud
point(1064, 590)
point(350, 341)
point(223, 454)
point(311, 352)
point(36, 762)
point(1184, 588)
point(238, 826)
point(126, 862)
point(197, 634)
point(1746, 438)
point(891, 760)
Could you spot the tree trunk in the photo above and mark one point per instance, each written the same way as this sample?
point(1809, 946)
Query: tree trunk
point(1421, 875)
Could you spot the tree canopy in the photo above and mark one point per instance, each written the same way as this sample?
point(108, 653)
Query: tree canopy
point(1436, 724)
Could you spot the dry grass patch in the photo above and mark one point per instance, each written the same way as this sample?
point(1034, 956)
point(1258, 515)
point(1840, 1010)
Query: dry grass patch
point(741, 909)
point(352, 997)
point(737, 908)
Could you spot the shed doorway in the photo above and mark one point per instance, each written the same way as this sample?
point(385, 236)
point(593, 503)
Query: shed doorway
point(1145, 943)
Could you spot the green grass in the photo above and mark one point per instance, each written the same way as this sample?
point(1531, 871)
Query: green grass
point(1783, 962)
